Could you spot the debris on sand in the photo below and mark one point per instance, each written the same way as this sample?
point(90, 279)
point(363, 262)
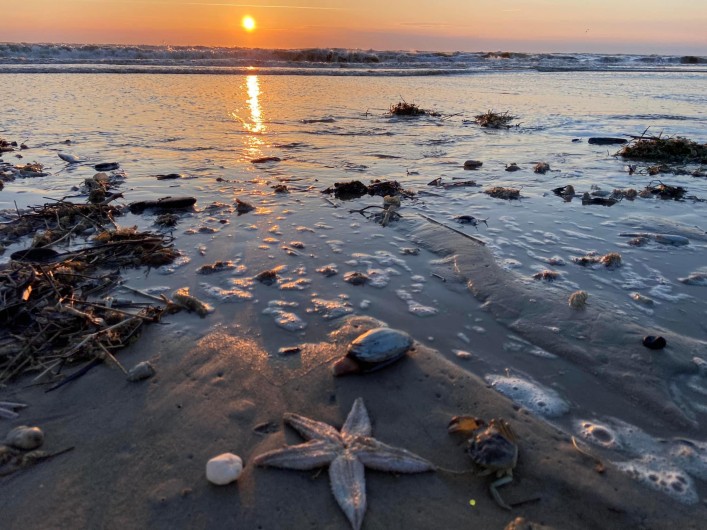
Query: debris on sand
point(355, 189)
point(499, 192)
point(218, 266)
point(192, 303)
point(676, 149)
point(355, 278)
point(495, 120)
point(403, 108)
point(164, 203)
point(267, 277)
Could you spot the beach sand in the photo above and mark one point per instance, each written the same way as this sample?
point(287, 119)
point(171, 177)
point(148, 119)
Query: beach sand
point(141, 448)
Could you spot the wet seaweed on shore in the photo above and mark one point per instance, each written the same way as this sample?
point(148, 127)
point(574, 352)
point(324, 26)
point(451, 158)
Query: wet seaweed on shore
point(674, 149)
point(403, 108)
point(495, 120)
point(499, 192)
point(663, 191)
point(49, 310)
point(355, 189)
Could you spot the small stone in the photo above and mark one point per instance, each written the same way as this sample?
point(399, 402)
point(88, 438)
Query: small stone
point(24, 437)
point(224, 469)
point(355, 278)
point(140, 371)
point(654, 343)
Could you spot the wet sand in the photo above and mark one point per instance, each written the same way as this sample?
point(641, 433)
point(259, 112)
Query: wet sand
point(141, 448)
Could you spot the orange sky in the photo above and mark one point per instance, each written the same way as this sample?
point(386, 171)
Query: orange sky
point(641, 26)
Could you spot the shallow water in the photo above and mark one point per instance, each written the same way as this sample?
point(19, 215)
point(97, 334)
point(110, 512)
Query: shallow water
point(329, 129)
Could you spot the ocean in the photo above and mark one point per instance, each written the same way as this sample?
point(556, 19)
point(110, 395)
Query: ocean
point(324, 114)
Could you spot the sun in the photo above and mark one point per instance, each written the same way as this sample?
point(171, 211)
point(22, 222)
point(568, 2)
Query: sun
point(248, 23)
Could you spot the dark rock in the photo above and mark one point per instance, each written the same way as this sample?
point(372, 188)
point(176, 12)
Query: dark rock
point(607, 141)
point(168, 176)
point(106, 166)
point(39, 254)
point(473, 164)
point(654, 343)
point(348, 190)
point(164, 203)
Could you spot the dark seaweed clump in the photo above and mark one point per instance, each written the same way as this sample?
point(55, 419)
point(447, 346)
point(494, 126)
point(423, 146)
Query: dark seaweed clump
point(676, 149)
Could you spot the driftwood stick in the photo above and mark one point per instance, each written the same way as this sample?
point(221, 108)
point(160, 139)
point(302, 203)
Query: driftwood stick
point(476, 240)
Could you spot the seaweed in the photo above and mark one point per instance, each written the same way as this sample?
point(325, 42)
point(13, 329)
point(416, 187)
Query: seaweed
point(495, 120)
point(403, 108)
point(672, 149)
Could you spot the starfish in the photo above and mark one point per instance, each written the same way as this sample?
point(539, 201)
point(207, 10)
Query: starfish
point(347, 452)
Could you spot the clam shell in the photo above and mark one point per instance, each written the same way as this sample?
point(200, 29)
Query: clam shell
point(24, 437)
point(380, 345)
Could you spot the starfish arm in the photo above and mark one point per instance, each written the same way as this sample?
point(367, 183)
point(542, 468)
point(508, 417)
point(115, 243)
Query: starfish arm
point(377, 455)
point(348, 484)
point(357, 423)
point(311, 429)
point(310, 455)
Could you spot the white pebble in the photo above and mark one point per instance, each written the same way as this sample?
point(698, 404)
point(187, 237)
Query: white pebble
point(224, 469)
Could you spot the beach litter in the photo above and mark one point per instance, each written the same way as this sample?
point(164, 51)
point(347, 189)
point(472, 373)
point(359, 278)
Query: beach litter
point(346, 452)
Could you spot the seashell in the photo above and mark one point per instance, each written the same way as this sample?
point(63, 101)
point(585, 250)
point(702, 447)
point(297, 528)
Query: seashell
point(71, 159)
point(375, 349)
point(141, 371)
point(224, 469)
point(654, 343)
point(24, 437)
point(578, 299)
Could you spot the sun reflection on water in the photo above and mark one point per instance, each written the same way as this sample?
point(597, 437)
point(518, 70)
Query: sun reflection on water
point(256, 116)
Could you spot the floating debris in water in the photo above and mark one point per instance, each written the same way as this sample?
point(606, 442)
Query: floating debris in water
point(676, 149)
point(541, 167)
point(218, 266)
point(494, 120)
point(611, 260)
point(512, 167)
point(695, 278)
point(546, 275)
point(473, 164)
point(265, 159)
point(578, 299)
point(355, 278)
point(498, 192)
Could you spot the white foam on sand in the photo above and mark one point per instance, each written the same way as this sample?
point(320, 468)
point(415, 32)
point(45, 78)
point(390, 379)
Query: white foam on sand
point(226, 295)
point(331, 309)
point(285, 319)
point(529, 394)
point(658, 474)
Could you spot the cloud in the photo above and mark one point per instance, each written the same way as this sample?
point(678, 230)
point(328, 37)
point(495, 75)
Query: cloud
point(426, 24)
